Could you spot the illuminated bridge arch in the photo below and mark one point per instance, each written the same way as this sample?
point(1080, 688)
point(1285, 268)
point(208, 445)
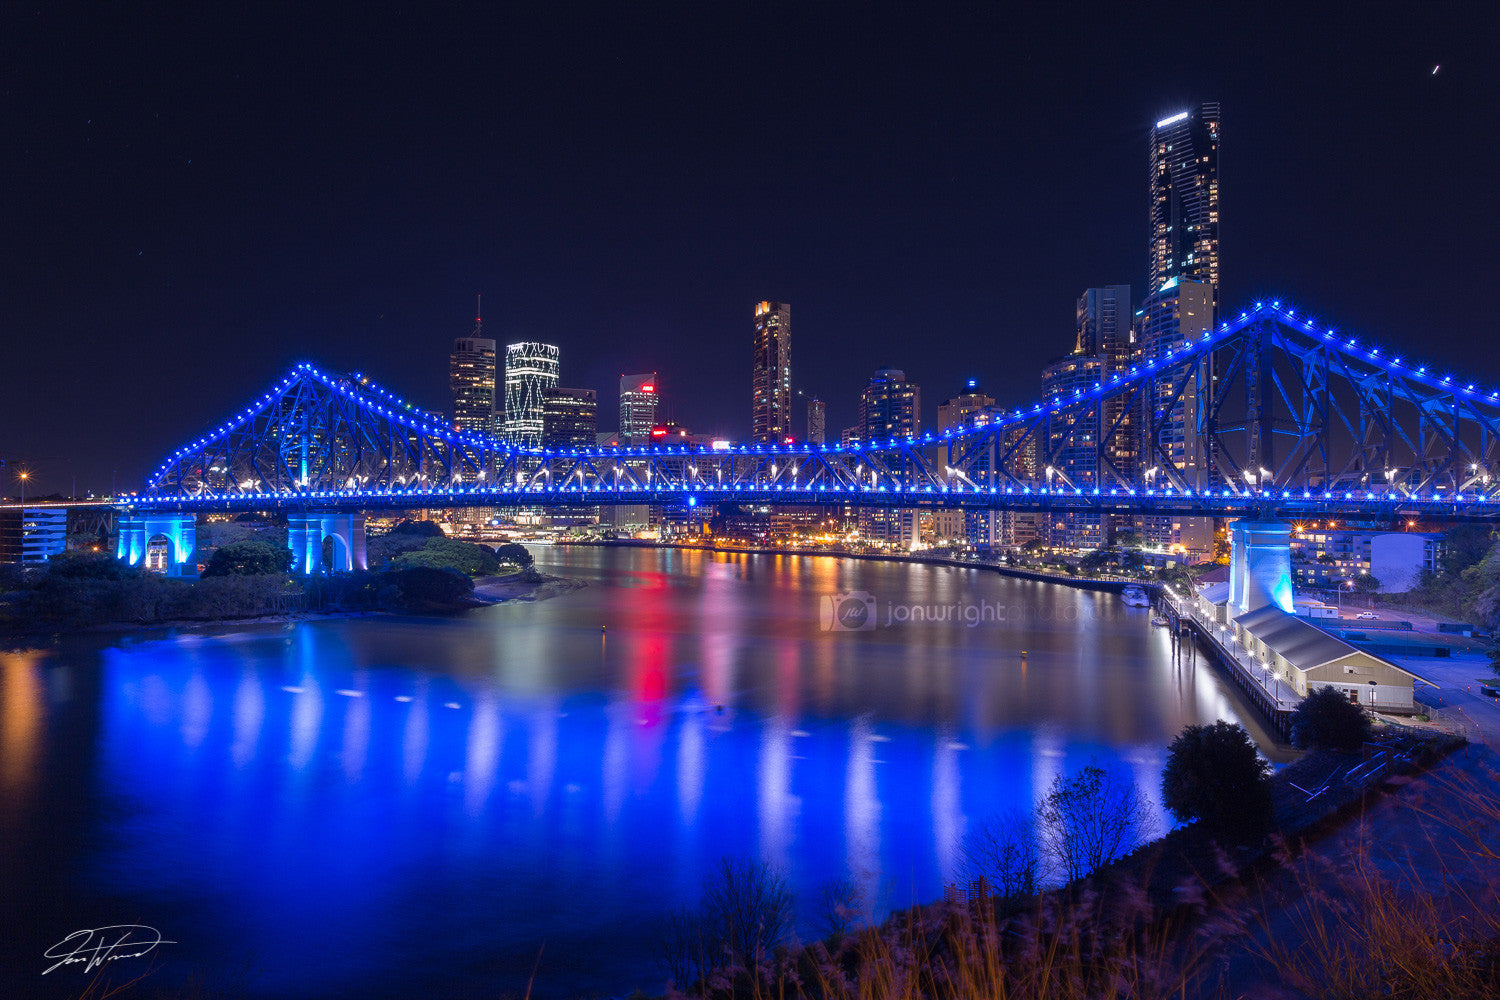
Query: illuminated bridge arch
point(1286, 417)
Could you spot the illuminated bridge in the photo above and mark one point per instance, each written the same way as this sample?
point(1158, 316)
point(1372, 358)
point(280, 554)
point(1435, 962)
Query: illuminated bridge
point(1271, 415)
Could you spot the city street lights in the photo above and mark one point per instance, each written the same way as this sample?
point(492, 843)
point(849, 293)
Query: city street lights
point(24, 475)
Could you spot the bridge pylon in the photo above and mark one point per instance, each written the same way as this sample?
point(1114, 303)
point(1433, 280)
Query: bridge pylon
point(308, 530)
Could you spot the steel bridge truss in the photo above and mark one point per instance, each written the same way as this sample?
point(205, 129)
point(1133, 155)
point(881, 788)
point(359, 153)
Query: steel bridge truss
point(1267, 410)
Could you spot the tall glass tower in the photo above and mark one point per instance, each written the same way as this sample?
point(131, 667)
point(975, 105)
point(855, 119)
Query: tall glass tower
point(530, 370)
point(771, 405)
point(1185, 198)
point(471, 380)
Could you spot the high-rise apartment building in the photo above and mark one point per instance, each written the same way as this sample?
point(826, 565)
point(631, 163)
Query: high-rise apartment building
point(531, 369)
point(639, 396)
point(570, 418)
point(1179, 312)
point(970, 408)
point(1105, 330)
point(817, 421)
point(1072, 446)
point(890, 407)
point(1179, 308)
point(771, 374)
point(1185, 197)
point(471, 381)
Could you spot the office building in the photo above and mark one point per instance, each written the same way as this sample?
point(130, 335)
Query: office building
point(771, 374)
point(817, 421)
point(639, 397)
point(471, 381)
point(1185, 197)
point(531, 369)
point(570, 418)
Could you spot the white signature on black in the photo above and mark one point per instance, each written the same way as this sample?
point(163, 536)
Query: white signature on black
point(104, 944)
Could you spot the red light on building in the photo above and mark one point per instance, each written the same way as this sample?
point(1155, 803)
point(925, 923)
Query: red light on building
point(786, 441)
point(658, 432)
point(648, 388)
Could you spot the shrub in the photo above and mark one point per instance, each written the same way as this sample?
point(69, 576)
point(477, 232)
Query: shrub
point(1328, 720)
point(450, 553)
point(248, 558)
point(1214, 774)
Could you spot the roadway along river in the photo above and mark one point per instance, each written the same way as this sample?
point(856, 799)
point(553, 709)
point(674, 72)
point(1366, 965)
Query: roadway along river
point(383, 807)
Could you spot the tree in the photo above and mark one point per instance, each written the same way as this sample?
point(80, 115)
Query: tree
point(1366, 584)
point(1091, 818)
point(747, 911)
point(450, 553)
point(248, 558)
point(1215, 775)
point(85, 565)
point(423, 588)
point(1003, 853)
point(515, 553)
point(1328, 720)
point(421, 529)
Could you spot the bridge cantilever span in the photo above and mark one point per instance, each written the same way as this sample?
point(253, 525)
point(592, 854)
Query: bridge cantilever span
point(1286, 419)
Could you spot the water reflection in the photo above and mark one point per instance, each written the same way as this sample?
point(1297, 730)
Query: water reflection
point(386, 806)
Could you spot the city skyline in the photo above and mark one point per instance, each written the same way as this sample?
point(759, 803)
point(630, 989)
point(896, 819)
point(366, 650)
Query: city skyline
point(919, 222)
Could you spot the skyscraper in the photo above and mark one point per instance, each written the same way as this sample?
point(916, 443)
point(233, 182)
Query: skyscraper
point(817, 421)
point(570, 418)
point(1181, 311)
point(1180, 306)
point(638, 399)
point(1105, 330)
point(771, 375)
point(471, 380)
point(1185, 197)
point(890, 407)
point(1073, 446)
point(530, 370)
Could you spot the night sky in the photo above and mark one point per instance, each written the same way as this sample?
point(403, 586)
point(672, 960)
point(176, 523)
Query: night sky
point(194, 198)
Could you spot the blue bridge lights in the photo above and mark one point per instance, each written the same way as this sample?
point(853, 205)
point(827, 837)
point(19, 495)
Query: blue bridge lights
point(317, 437)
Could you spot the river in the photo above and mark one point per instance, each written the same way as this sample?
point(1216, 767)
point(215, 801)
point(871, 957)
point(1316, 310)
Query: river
point(390, 807)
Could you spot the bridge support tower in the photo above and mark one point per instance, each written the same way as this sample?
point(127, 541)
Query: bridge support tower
point(307, 531)
point(136, 532)
point(1260, 566)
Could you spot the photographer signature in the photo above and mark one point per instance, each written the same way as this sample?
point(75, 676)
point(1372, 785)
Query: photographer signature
point(104, 944)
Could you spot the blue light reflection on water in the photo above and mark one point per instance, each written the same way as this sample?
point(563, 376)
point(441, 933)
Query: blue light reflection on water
point(378, 807)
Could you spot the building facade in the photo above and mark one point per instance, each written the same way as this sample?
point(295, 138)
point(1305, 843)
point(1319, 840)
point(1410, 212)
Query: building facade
point(1184, 178)
point(771, 374)
point(531, 369)
point(639, 396)
point(890, 407)
point(471, 382)
point(817, 421)
point(570, 418)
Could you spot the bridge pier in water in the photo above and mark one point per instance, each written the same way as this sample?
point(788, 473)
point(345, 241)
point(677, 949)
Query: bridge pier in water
point(136, 532)
point(307, 531)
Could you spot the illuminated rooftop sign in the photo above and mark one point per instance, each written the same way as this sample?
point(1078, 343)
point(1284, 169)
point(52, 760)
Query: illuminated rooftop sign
point(1179, 116)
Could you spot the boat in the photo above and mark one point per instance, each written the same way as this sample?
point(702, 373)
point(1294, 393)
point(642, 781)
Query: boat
point(1159, 620)
point(1135, 597)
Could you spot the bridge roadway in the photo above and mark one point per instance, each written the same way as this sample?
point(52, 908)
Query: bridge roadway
point(1266, 504)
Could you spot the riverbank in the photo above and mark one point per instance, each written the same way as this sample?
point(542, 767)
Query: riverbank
point(1106, 584)
point(523, 586)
